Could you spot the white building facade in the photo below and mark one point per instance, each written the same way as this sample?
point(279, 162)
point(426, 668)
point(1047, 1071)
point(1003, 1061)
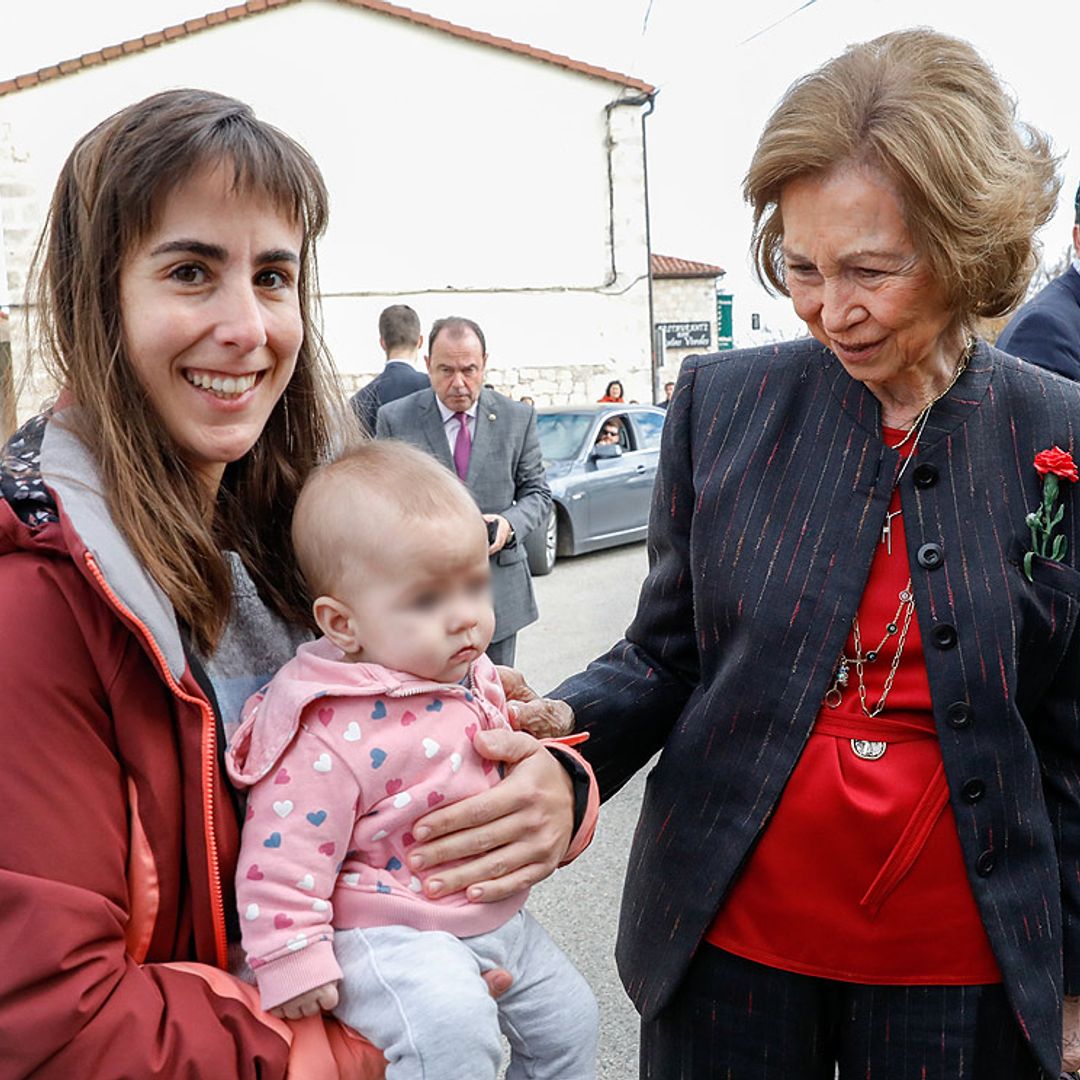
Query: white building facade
point(468, 175)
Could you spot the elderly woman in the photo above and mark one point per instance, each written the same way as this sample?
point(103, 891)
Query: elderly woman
point(857, 646)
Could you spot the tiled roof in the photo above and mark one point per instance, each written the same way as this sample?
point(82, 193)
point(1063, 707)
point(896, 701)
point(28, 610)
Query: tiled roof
point(255, 7)
point(666, 266)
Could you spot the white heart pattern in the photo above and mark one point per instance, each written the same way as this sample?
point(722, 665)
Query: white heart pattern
point(353, 733)
point(251, 912)
point(283, 808)
point(455, 762)
point(297, 943)
point(431, 748)
point(306, 882)
point(319, 905)
point(351, 879)
point(414, 884)
point(382, 834)
point(403, 798)
point(322, 764)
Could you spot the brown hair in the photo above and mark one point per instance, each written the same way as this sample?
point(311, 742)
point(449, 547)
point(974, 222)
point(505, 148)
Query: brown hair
point(930, 113)
point(111, 189)
point(399, 327)
point(369, 479)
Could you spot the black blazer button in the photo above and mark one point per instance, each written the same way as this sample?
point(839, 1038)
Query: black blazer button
point(943, 635)
point(973, 791)
point(959, 714)
point(926, 475)
point(930, 557)
point(984, 864)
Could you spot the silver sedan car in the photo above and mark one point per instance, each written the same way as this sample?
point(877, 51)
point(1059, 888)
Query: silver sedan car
point(601, 463)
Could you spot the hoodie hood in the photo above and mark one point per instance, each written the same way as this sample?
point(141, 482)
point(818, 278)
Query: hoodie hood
point(318, 670)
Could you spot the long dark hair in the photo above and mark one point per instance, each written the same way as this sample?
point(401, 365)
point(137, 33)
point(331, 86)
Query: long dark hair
point(110, 191)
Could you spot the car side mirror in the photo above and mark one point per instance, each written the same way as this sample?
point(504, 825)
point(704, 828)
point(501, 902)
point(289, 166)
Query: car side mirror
point(607, 450)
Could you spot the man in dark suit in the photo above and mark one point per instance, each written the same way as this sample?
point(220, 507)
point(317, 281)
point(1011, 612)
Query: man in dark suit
point(401, 340)
point(491, 442)
point(1046, 330)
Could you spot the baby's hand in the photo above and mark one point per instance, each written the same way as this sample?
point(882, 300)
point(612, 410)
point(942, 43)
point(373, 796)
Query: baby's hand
point(321, 999)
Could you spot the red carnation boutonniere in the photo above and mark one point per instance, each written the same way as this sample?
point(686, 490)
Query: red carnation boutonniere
point(1050, 465)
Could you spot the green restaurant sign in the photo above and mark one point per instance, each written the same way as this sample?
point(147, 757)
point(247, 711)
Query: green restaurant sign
point(724, 337)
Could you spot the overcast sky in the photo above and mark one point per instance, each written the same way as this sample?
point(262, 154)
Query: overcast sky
point(720, 68)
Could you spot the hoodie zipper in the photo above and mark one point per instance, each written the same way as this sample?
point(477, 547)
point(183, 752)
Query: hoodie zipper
point(208, 751)
point(436, 687)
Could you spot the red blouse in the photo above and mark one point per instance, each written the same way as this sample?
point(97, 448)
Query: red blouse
point(859, 875)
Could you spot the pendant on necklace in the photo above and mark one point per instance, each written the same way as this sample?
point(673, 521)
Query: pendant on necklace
point(886, 529)
point(834, 695)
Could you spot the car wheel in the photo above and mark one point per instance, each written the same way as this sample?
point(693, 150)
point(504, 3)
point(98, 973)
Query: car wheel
point(541, 546)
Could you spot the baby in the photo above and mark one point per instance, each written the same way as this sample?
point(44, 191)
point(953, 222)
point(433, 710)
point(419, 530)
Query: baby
point(363, 732)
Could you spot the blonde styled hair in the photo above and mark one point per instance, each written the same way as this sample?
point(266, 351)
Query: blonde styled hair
point(109, 193)
point(928, 112)
point(345, 507)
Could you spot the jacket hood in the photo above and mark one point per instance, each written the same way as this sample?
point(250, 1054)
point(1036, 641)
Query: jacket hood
point(318, 670)
point(53, 490)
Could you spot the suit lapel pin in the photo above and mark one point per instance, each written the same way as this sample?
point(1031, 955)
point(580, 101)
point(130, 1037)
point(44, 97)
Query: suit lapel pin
point(491, 416)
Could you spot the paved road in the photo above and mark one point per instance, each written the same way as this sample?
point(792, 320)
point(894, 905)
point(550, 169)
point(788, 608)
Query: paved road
point(585, 605)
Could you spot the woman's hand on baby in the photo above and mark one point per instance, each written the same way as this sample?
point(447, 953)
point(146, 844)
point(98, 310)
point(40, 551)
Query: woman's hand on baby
point(539, 716)
point(511, 836)
point(321, 999)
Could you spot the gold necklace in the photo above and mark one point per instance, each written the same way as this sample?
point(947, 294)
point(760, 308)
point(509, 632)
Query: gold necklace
point(920, 420)
point(916, 430)
point(899, 624)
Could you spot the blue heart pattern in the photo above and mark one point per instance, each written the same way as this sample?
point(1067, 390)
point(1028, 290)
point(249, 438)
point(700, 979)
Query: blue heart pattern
point(379, 711)
point(435, 706)
point(273, 840)
point(394, 863)
point(377, 757)
point(316, 817)
point(380, 887)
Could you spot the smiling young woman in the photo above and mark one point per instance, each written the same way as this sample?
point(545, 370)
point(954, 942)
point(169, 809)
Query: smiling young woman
point(193, 259)
point(148, 586)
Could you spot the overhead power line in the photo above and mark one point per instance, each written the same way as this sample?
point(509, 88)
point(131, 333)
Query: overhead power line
point(645, 21)
point(771, 26)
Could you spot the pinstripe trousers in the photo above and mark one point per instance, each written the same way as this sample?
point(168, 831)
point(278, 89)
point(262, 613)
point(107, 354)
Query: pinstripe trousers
point(733, 1019)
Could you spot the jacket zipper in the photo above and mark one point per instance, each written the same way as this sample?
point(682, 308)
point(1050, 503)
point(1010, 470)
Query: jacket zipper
point(208, 751)
point(437, 687)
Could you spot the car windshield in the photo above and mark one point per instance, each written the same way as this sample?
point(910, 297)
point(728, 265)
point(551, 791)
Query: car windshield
point(561, 434)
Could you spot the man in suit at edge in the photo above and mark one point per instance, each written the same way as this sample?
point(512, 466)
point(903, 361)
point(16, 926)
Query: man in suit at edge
point(1046, 330)
point(401, 340)
point(491, 442)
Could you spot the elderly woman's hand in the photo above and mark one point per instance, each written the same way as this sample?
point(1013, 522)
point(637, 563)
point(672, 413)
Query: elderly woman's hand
point(511, 836)
point(1070, 1038)
point(540, 717)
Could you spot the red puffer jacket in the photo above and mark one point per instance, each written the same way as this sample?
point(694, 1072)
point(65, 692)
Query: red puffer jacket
point(120, 838)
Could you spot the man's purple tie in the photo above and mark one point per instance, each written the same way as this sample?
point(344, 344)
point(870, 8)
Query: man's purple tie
point(463, 446)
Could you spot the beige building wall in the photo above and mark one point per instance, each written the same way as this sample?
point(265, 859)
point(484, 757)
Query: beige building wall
point(464, 179)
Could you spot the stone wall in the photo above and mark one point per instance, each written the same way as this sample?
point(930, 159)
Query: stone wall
point(20, 214)
point(560, 385)
point(684, 300)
